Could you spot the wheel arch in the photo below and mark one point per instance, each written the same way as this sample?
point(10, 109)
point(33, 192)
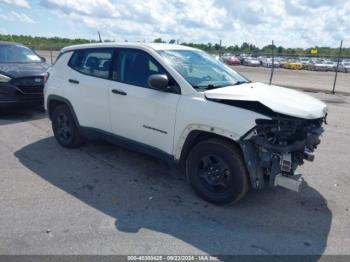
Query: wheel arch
point(54, 100)
point(199, 133)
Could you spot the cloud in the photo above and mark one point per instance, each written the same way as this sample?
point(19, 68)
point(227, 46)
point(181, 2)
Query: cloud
point(320, 3)
point(290, 23)
point(19, 3)
point(15, 16)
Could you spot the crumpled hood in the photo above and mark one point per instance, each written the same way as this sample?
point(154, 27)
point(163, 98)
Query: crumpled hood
point(278, 99)
point(16, 70)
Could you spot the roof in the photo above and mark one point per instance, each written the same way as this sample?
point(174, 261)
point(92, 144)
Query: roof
point(155, 46)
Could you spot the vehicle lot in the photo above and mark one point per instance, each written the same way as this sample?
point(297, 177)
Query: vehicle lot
point(103, 199)
point(301, 79)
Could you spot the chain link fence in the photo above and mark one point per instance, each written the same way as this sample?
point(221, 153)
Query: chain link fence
point(49, 53)
point(309, 72)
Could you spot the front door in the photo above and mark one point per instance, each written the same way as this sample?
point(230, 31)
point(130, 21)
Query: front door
point(138, 112)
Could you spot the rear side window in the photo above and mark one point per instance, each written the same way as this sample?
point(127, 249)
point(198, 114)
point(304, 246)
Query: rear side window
point(93, 62)
point(136, 66)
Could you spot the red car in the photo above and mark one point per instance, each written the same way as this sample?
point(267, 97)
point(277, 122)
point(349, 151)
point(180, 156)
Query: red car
point(232, 60)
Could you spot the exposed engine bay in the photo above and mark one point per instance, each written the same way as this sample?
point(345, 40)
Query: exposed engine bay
point(283, 139)
point(275, 147)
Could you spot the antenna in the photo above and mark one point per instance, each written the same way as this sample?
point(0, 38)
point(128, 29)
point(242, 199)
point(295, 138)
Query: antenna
point(99, 36)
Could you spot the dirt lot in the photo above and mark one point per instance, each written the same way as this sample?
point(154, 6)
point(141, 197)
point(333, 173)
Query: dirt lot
point(101, 199)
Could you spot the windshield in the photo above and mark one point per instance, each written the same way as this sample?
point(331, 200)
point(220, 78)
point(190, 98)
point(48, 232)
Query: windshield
point(17, 54)
point(201, 70)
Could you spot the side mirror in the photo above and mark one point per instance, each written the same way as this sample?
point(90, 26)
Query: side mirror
point(159, 82)
point(43, 59)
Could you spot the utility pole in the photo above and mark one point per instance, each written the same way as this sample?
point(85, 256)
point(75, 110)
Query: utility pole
point(336, 71)
point(273, 62)
point(99, 36)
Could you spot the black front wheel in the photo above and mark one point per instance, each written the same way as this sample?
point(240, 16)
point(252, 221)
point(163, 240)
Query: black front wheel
point(217, 172)
point(64, 127)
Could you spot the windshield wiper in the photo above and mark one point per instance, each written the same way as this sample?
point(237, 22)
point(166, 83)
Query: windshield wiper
point(209, 87)
point(241, 82)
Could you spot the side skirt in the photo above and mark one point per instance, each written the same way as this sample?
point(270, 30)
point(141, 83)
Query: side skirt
point(94, 134)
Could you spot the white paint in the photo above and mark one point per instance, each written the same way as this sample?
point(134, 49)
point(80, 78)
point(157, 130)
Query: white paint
point(278, 99)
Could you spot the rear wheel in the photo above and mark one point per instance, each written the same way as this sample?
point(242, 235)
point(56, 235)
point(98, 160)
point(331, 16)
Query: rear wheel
point(64, 127)
point(217, 171)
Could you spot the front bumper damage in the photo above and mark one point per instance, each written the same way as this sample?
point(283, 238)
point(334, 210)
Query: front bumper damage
point(274, 149)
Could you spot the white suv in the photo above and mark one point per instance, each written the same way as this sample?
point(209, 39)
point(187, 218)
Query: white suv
point(182, 105)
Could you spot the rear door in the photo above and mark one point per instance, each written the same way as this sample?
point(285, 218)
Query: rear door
point(138, 112)
point(89, 86)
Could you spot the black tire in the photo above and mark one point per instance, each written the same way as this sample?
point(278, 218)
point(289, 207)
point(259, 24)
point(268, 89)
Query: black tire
point(217, 172)
point(65, 128)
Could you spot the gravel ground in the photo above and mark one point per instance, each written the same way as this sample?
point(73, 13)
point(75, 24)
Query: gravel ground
point(102, 199)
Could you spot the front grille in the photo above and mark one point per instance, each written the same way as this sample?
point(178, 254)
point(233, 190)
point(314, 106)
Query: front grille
point(30, 85)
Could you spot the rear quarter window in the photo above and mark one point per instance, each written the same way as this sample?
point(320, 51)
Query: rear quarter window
point(92, 62)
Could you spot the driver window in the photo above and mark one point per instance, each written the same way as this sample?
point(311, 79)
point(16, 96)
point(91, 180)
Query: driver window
point(135, 67)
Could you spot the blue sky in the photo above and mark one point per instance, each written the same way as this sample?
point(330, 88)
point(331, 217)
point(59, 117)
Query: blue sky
point(291, 23)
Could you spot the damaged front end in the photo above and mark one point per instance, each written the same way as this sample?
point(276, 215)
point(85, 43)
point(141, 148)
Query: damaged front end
point(275, 147)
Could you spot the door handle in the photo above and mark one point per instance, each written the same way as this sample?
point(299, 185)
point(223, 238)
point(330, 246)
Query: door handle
point(118, 92)
point(73, 81)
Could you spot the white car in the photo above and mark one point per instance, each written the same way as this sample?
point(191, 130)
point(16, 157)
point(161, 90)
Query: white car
point(251, 62)
point(182, 105)
point(267, 62)
point(344, 66)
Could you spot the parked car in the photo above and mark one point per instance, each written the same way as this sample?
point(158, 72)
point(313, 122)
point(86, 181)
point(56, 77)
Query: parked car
point(182, 105)
point(304, 61)
point(231, 60)
point(22, 75)
point(251, 62)
point(293, 64)
point(321, 65)
point(261, 59)
point(268, 63)
point(243, 57)
point(344, 67)
point(281, 61)
point(217, 57)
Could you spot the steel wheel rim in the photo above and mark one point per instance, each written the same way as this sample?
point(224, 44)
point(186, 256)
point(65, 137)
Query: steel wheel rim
point(214, 174)
point(64, 129)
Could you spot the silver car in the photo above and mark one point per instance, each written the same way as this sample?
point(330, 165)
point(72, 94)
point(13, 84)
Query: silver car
point(251, 62)
point(321, 65)
point(344, 67)
point(268, 63)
